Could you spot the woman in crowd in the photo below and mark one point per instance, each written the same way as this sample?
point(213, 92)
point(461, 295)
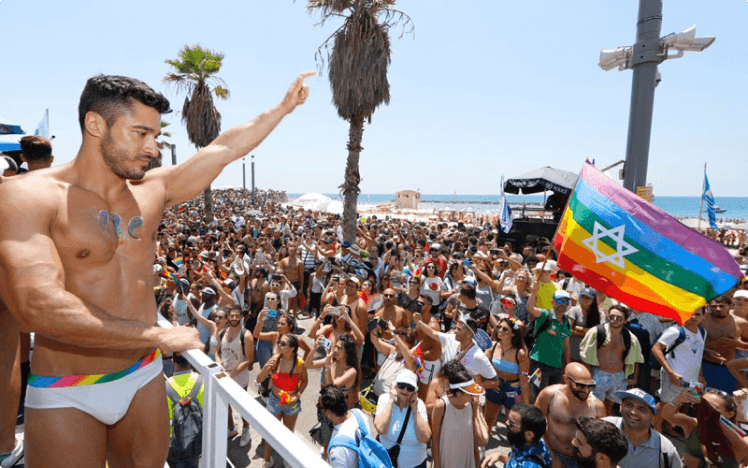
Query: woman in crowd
point(215, 328)
point(431, 284)
point(341, 324)
point(408, 299)
point(400, 411)
point(267, 322)
point(510, 358)
point(288, 380)
point(520, 290)
point(585, 316)
point(341, 367)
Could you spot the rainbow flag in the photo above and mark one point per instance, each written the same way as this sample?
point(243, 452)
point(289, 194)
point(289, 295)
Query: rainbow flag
point(179, 261)
point(181, 209)
point(636, 253)
point(418, 355)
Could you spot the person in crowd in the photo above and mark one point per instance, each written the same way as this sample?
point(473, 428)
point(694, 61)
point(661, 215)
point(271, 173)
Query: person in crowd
point(551, 350)
point(236, 353)
point(398, 357)
point(215, 324)
point(351, 299)
point(430, 348)
point(584, 316)
point(646, 446)
point(407, 299)
point(333, 406)
point(598, 443)
point(267, 322)
point(288, 380)
point(614, 357)
point(391, 312)
point(561, 404)
point(342, 323)
point(724, 333)
point(525, 428)
point(679, 351)
point(183, 381)
point(519, 289)
point(293, 268)
point(431, 282)
point(510, 358)
point(459, 428)
point(341, 367)
point(401, 420)
point(701, 433)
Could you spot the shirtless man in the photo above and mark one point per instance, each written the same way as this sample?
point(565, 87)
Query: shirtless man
point(723, 333)
point(614, 367)
point(562, 404)
point(76, 268)
point(430, 348)
point(293, 268)
point(357, 305)
point(391, 312)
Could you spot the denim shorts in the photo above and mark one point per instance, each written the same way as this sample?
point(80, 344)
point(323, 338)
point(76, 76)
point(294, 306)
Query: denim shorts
point(506, 395)
point(275, 408)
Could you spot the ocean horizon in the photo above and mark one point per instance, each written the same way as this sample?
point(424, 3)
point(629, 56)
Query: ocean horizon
point(736, 208)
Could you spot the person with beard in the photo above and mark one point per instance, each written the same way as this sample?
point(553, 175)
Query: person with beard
point(646, 447)
point(612, 361)
point(236, 353)
point(723, 333)
point(598, 443)
point(525, 427)
point(561, 404)
point(352, 300)
point(391, 312)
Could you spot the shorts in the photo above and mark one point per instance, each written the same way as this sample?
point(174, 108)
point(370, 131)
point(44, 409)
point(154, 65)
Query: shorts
point(106, 397)
point(430, 369)
point(567, 461)
point(548, 376)
point(668, 391)
point(608, 384)
point(275, 408)
point(719, 377)
point(506, 395)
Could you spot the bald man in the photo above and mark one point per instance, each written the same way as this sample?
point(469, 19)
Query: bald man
point(562, 404)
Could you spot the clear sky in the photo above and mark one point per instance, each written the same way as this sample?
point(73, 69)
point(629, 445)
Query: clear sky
point(480, 88)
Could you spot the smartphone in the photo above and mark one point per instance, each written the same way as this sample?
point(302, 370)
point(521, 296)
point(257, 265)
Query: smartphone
point(383, 324)
point(326, 343)
point(494, 251)
point(335, 311)
point(226, 252)
point(272, 313)
point(467, 262)
point(371, 325)
point(277, 278)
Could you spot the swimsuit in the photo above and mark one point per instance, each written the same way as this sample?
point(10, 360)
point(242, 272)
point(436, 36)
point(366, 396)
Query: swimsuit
point(106, 397)
point(509, 392)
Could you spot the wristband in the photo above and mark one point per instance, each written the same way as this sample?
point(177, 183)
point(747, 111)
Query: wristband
point(673, 404)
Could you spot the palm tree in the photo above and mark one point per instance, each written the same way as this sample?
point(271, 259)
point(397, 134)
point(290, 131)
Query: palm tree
point(358, 65)
point(195, 74)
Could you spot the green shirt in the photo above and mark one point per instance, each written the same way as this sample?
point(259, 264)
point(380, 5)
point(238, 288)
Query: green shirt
point(183, 384)
point(549, 345)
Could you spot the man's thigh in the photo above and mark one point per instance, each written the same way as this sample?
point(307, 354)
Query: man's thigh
point(63, 438)
point(141, 437)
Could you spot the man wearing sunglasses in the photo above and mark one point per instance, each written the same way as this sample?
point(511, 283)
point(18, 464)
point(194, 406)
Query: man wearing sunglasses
point(614, 353)
point(550, 351)
point(562, 404)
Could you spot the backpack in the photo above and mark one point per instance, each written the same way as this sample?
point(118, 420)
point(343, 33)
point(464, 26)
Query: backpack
point(602, 336)
point(186, 442)
point(530, 334)
point(242, 332)
point(681, 338)
point(371, 454)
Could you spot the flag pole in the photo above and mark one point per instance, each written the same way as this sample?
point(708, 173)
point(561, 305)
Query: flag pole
point(701, 205)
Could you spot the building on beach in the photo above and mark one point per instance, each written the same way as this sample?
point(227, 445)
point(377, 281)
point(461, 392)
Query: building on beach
point(408, 199)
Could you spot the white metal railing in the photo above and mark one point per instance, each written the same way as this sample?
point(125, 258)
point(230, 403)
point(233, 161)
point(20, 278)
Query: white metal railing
point(220, 391)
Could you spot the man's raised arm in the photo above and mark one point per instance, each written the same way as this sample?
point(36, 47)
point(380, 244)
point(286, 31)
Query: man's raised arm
point(187, 180)
point(32, 284)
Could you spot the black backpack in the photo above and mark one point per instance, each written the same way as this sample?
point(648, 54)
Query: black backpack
point(530, 334)
point(602, 335)
point(186, 442)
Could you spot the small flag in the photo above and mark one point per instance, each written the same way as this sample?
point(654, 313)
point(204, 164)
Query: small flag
point(536, 377)
point(183, 208)
point(179, 261)
point(708, 198)
point(42, 129)
point(223, 274)
point(505, 212)
point(418, 355)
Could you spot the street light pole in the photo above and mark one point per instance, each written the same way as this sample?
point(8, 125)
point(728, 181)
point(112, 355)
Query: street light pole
point(253, 180)
point(244, 180)
point(644, 60)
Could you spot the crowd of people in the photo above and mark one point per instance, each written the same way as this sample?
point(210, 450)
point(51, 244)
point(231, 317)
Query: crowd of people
point(426, 332)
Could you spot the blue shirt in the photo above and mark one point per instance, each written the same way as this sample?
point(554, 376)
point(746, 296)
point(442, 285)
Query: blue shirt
point(526, 456)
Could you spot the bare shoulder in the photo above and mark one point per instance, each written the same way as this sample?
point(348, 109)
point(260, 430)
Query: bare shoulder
point(29, 200)
point(545, 395)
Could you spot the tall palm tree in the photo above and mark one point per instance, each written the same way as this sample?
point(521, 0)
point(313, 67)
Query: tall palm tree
point(358, 65)
point(194, 73)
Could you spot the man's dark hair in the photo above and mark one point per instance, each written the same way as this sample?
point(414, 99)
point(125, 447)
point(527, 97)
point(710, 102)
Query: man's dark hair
point(604, 437)
point(532, 419)
point(426, 299)
point(111, 95)
point(626, 311)
point(723, 299)
point(462, 375)
point(36, 148)
point(333, 399)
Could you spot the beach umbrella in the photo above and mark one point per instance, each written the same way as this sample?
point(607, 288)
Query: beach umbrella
point(540, 180)
point(334, 207)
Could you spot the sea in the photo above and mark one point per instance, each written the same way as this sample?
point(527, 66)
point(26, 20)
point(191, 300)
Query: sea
point(736, 208)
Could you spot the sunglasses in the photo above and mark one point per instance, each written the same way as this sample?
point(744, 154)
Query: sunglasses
point(430, 266)
point(615, 318)
point(505, 329)
point(581, 385)
point(563, 301)
point(283, 345)
point(404, 386)
point(414, 282)
point(420, 304)
point(507, 303)
point(388, 295)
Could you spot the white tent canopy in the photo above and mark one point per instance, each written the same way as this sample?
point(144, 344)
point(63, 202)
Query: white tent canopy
point(312, 201)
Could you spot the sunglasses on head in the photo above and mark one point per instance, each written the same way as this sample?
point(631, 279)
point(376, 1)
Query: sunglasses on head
point(404, 386)
point(581, 385)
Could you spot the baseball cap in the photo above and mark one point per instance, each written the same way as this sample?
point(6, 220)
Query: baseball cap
point(740, 293)
point(208, 290)
point(346, 244)
point(185, 282)
point(470, 387)
point(550, 265)
point(589, 292)
point(639, 395)
point(561, 294)
point(470, 280)
point(354, 279)
point(407, 377)
point(436, 246)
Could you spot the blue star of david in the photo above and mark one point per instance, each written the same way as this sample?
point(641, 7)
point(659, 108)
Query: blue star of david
point(623, 248)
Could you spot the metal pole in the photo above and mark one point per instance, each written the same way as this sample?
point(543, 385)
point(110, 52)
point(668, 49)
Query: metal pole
point(253, 179)
point(244, 180)
point(644, 62)
point(701, 205)
point(173, 154)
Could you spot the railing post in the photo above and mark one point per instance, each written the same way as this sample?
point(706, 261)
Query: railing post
point(215, 420)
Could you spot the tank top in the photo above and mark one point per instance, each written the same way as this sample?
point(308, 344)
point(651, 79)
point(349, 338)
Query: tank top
point(456, 440)
point(232, 355)
point(287, 382)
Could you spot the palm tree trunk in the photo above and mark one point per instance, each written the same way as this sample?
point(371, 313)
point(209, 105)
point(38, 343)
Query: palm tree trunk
point(208, 198)
point(352, 178)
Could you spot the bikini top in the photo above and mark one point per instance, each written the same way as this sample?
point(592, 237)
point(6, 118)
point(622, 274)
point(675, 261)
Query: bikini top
point(505, 366)
point(288, 382)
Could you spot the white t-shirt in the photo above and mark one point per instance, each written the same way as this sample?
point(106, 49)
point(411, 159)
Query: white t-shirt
point(687, 356)
point(343, 457)
point(474, 360)
point(412, 451)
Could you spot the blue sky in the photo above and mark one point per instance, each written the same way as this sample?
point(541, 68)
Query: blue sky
point(480, 88)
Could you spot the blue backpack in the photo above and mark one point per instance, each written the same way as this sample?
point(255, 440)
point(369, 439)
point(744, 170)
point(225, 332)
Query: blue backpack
point(371, 454)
